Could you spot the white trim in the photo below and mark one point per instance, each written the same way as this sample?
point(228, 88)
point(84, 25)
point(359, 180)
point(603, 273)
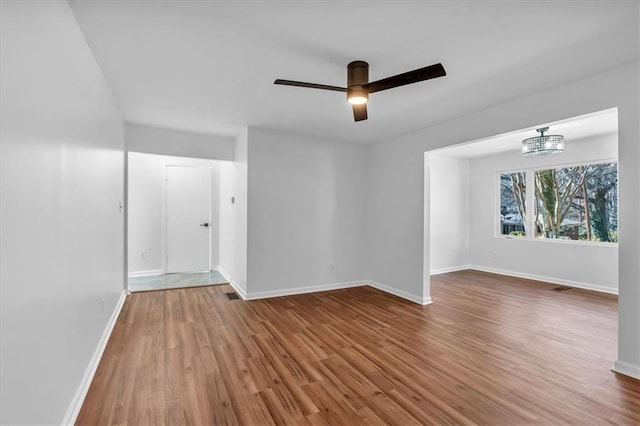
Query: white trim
point(577, 284)
point(232, 282)
point(163, 235)
point(321, 287)
point(626, 369)
point(449, 269)
point(303, 290)
point(145, 273)
point(400, 293)
point(78, 399)
point(209, 242)
point(559, 241)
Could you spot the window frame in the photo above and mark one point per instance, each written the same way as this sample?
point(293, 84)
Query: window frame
point(530, 202)
point(498, 225)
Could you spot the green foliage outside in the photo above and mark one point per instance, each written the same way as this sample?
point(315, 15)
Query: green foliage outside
point(574, 203)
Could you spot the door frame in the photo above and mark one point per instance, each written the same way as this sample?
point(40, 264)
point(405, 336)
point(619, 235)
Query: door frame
point(164, 213)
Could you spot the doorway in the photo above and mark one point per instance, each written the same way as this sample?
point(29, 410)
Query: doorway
point(173, 222)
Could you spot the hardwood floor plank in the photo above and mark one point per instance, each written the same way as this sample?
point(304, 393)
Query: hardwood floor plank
point(490, 350)
point(333, 409)
point(283, 406)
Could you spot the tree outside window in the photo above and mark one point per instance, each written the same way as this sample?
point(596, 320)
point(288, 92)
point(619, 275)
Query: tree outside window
point(513, 204)
point(572, 203)
point(577, 203)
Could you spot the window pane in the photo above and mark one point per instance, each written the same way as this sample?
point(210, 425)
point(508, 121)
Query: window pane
point(512, 203)
point(577, 203)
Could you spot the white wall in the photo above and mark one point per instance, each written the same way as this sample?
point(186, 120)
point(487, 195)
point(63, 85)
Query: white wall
point(307, 212)
point(62, 180)
point(145, 206)
point(233, 216)
point(582, 264)
point(154, 140)
point(398, 249)
point(449, 212)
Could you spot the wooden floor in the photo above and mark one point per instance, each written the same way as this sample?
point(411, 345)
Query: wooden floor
point(489, 350)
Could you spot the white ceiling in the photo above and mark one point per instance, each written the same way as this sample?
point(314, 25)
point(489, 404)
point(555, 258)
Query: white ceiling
point(209, 66)
point(574, 130)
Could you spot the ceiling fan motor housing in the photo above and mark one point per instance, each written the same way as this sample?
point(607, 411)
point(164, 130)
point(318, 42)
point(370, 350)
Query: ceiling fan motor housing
point(357, 76)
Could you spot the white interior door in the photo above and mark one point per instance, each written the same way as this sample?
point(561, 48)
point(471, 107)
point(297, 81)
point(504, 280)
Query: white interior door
point(188, 215)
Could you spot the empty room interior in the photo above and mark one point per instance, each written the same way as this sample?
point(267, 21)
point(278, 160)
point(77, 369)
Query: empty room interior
point(319, 213)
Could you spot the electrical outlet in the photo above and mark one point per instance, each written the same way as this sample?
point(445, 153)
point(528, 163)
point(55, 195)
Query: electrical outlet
point(143, 255)
point(331, 266)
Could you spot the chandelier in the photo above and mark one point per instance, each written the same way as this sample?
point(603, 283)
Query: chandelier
point(543, 144)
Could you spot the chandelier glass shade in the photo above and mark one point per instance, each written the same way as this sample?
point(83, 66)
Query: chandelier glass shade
point(543, 144)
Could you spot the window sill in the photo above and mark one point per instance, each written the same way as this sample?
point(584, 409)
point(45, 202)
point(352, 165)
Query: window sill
point(558, 241)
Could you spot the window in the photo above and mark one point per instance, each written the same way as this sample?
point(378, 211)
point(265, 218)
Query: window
point(512, 203)
point(578, 202)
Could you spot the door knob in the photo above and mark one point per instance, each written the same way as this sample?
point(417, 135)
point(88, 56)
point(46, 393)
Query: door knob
point(206, 225)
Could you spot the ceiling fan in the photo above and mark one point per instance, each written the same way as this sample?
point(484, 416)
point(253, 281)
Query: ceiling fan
point(359, 88)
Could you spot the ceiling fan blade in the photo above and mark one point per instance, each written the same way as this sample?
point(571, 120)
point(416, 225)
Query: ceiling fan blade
point(421, 74)
point(309, 85)
point(360, 112)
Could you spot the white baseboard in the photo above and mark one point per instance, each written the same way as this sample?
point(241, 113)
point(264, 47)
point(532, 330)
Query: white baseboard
point(303, 290)
point(449, 269)
point(145, 273)
point(76, 403)
point(552, 280)
point(321, 287)
point(232, 282)
point(626, 369)
point(400, 293)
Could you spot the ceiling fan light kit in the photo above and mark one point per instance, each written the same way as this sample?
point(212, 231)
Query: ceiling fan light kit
point(357, 76)
point(359, 88)
point(357, 96)
point(543, 144)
